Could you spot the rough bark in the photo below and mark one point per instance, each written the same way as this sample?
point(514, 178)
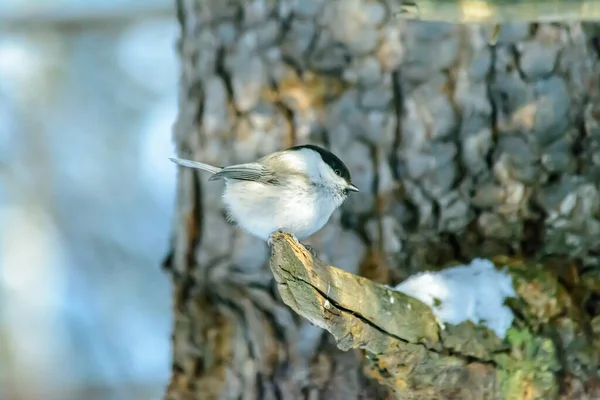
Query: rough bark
point(462, 149)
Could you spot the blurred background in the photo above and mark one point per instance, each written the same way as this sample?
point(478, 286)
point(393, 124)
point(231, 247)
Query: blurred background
point(88, 96)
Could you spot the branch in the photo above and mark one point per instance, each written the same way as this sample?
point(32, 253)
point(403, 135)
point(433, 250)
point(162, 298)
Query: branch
point(406, 350)
point(405, 347)
point(352, 308)
point(499, 11)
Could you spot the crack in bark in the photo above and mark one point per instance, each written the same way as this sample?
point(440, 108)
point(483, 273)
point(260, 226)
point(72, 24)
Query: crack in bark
point(490, 78)
point(349, 311)
point(287, 113)
point(221, 71)
point(195, 223)
point(516, 54)
point(180, 14)
point(398, 102)
point(185, 284)
point(167, 264)
point(578, 147)
point(238, 310)
point(279, 333)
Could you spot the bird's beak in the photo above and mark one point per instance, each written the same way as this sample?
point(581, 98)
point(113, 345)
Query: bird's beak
point(352, 188)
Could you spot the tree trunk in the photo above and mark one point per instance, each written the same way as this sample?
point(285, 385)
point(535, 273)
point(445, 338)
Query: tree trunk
point(462, 149)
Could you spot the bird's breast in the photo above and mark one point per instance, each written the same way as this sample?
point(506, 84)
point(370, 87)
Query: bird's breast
point(263, 209)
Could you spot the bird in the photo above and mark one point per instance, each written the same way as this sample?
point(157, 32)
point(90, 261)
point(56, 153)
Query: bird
point(294, 191)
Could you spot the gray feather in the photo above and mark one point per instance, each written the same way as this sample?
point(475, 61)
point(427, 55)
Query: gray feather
point(196, 164)
point(241, 172)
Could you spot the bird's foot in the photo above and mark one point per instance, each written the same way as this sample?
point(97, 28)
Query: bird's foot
point(270, 239)
point(310, 249)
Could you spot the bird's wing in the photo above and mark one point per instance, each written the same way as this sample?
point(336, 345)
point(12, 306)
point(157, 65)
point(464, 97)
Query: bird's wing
point(243, 172)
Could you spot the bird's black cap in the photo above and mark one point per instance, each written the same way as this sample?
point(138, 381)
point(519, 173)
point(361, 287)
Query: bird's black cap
point(328, 158)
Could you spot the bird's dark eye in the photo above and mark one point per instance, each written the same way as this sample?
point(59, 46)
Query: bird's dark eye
point(337, 172)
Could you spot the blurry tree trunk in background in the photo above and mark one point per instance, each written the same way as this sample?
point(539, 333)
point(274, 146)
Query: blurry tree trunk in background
point(461, 149)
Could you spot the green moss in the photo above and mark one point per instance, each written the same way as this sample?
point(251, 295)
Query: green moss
point(552, 330)
point(540, 295)
point(529, 370)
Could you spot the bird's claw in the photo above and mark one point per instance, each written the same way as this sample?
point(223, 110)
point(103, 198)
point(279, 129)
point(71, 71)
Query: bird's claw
point(311, 250)
point(270, 239)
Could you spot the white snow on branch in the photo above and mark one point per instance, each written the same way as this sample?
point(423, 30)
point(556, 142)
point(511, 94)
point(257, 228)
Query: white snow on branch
point(474, 292)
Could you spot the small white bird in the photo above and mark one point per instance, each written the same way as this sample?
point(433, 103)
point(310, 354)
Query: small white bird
point(293, 191)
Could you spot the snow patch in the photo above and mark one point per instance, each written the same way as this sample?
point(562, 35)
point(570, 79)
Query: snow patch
point(474, 292)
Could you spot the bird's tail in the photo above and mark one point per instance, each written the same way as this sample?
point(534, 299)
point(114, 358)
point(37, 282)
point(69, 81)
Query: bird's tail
point(196, 164)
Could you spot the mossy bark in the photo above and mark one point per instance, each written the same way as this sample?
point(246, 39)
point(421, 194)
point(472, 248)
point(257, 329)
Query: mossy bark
point(407, 351)
point(461, 149)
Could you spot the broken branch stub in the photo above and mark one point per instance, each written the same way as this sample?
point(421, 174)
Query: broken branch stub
point(405, 348)
point(352, 308)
